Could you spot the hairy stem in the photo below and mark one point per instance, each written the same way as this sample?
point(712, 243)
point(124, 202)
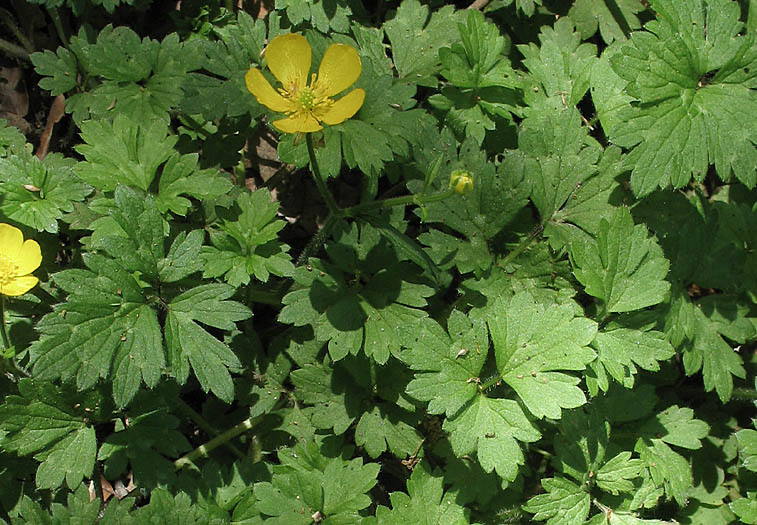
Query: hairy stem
point(221, 439)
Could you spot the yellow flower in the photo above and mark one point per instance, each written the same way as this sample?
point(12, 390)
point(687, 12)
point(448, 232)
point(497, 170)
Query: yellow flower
point(18, 259)
point(307, 105)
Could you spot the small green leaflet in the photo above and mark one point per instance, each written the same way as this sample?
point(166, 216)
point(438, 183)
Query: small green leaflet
point(188, 343)
point(620, 350)
point(532, 341)
point(747, 439)
point(308, 483)
point(559, 156)
point(615, 19)
point(564, 503)
point(447, 371)
point(624, 267)
point(247, 244)
point(38, 193)
point(50, 422)
point(147, 446)
point(416, 39)
point(104, 329)
point(425, 502)
point(560, 68)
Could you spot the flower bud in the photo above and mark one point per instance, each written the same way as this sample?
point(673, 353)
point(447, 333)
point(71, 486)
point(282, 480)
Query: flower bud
point(461, 181)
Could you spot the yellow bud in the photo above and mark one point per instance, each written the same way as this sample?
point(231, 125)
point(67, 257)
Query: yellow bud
point(461, 181)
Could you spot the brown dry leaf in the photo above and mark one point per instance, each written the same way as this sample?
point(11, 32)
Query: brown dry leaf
point(107, 490)
point(14, 100)
point(56, 113)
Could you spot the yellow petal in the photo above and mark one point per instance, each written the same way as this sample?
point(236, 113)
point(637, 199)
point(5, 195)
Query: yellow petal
point(300, 122)
point(343, 108)
point(288, 58)
point(339, 69)
point(11, 240)
point(29, 257)
point(264, 92)
point(19, 286)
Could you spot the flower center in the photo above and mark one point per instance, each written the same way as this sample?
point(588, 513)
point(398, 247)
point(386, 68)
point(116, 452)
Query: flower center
point(307, 98)
point(8, 270)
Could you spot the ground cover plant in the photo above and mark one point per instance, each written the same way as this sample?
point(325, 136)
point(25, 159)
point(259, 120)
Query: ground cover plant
point(337, 262)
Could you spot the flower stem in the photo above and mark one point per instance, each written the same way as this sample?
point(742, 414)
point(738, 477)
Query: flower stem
point(205, 449)
point(525, 243)
point(3, 328)
point(490, 383)
point(201, 422)
point(420, 200)
point(319, 182)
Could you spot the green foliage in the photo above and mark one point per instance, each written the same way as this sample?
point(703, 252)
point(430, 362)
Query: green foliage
point(685, 115)
point(567, 337)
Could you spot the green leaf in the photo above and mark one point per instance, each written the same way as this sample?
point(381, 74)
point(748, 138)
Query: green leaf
point(689, 110)
point(531, 342)
point(308, 483)
point(365, 300)
point(182, 259)
point(387, 427)
point(478, 61)
point(615, 20)
point(179, 176)
point(247, 244)
point(190, 344)
point(321, 14)
point(142, 77)
point(425, 502)
point(124, 151)
point(168, 509)
point(49, 422)
point(616, 475)
point(497, 197)
point(105, 329)
point(564, 503)
point(37, 193)
point(608, 90)
point(416, 39)
point(595, 198)
point(333, 408)
point(713, 355)
point(623, 267)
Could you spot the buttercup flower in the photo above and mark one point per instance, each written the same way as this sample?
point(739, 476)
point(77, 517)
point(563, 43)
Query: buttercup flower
point(307, 105)
point(18, 259)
